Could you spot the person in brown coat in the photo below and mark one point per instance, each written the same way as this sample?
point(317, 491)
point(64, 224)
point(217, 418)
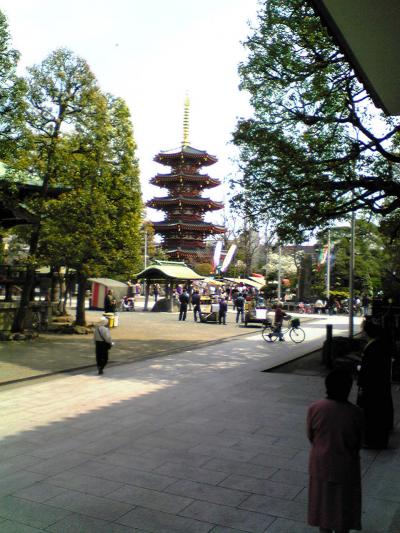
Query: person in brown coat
point(334, 428)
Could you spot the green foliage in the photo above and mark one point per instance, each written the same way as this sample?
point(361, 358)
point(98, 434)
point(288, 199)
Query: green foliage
point(371, 256)
point(12, 89)
point(316, 148)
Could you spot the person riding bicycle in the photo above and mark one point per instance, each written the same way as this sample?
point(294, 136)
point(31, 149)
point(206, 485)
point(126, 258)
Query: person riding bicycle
point(279, 316)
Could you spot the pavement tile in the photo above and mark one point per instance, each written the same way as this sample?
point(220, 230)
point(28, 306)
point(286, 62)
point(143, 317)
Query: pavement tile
point(209, 493)
point(89, 505)
point(276, 461)
point(202, 475)
point(17, 463)
point(124, 475)
point(240, 467)
point(290, 477)
point(182, 457)
point(379, 515)
point(58, 463)
point(158, 522)
point(276, 507)
point(83, 483)
point(76, 523)
point(261, 486)
point(39, 492)
point(19, 480)
point(227, 516)
point(151, 499)
point(120, 457)
point(7, 526)
point(33, 514)
point(282, 525)
point(226, 453)
point(222, 529)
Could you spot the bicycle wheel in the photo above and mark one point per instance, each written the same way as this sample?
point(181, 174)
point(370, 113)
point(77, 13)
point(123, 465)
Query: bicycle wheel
point(297, 335)
point(268, 334)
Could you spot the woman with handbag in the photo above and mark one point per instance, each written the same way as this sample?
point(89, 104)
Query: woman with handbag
point(103, 343)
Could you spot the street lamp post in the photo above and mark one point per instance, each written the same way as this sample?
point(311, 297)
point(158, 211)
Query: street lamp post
point(351, 274)
point(279, 273)
point(145, 287)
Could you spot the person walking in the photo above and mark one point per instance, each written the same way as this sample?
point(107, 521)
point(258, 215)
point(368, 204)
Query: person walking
point(196, 305)
point(239, 302)
point(156, 291)
point(334, 429)
point(184, 300)
point(223, 309)
point(103, 343)
point(375, 390)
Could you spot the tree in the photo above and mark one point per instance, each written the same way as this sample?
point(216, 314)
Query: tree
point(59, 93)
point(371, 257)
point(94, 227)
point(316, 147)
point(12, 90)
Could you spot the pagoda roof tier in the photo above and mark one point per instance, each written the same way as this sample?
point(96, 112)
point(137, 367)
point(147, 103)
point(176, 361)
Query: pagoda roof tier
point(188, 226)
point(189, 253)
point(185, 153)
point(185, 200)
point(202, 180)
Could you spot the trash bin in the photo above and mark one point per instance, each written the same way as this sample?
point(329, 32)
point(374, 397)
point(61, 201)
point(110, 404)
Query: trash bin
point(116, 320)
point(110, 317)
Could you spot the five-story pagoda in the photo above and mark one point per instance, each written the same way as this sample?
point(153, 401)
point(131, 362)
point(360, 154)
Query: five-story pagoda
point(183, 229)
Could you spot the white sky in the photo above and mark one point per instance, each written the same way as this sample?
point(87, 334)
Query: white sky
point(150, 52)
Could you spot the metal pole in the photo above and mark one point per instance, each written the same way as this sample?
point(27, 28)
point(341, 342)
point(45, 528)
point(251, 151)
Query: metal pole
point(279, 272)
point(145, 287)
point(328, 267)
point(351, 274)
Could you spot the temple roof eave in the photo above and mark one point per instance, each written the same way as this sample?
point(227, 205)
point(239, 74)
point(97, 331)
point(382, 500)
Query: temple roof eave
point(185, 200)
point(191, 226)
point(185, 153)
point(202, 180)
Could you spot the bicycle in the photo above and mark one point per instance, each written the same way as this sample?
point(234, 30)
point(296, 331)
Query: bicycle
point(296, 333)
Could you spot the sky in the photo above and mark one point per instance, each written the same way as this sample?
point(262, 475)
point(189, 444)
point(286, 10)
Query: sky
point(150, 53)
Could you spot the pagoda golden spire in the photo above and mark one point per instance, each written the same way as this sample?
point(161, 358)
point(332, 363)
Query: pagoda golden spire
point(185, 141)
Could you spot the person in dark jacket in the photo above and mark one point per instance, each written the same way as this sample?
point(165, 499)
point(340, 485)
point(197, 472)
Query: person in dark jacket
point(375, 392)
point(279, 316)
point(184, 301)
point(239, 307)
point(223, 309)
point(196, 305)
point(110, 303)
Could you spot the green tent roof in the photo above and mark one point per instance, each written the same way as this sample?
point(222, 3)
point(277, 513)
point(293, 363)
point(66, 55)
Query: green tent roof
point(168, 270)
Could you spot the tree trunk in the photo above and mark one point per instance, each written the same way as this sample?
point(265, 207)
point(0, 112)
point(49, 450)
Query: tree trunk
point(28, 287)
point(80, 304)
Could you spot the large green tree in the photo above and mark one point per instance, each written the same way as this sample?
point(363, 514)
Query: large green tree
point(316, 148)
point(94, 227)
point(12, 90)
point(59, 95)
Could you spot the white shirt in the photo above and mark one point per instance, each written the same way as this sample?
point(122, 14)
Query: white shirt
point(102, 333)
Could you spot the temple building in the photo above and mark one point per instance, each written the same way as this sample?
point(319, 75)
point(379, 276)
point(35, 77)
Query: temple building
point(183, 229)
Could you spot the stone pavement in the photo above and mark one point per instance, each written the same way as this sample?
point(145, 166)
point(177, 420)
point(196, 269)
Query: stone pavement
point(202, 440)
point(138, 336)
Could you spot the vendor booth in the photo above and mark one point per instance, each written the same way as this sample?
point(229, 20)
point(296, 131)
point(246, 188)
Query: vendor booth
point(100, 286)
point(168, 274)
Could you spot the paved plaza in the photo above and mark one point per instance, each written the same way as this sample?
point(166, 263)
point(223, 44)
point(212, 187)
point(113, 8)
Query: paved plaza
point(200, 440)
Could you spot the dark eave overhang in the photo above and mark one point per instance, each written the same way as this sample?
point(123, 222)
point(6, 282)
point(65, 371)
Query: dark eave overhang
point(367, 31)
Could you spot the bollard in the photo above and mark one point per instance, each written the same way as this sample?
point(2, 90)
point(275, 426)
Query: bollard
point(327, 352)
